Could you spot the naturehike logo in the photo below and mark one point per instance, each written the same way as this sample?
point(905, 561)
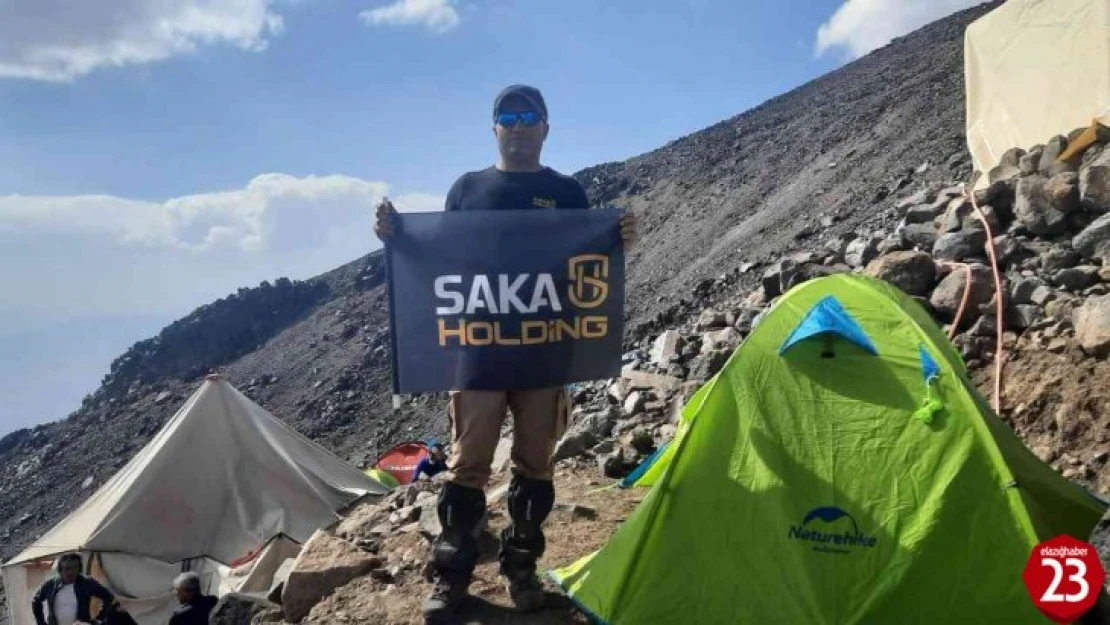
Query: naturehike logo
point(543, 202)
point(508, 295)
point(837, 531)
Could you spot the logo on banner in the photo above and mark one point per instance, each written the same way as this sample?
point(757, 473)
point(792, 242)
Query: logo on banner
point(589, 287)
point(524, 309)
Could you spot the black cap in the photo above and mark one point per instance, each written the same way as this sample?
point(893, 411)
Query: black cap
point(529, 94)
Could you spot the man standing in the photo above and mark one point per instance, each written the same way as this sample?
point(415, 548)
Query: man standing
point(195, 606)
point(69, 596)
point(518, 181)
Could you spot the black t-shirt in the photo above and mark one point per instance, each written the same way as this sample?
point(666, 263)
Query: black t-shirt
point(493, 189)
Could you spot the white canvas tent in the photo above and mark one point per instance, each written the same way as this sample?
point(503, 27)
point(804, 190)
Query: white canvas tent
point(1035, 69)
point(224, 489)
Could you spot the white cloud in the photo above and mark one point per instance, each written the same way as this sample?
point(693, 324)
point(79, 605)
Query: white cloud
point(860, 26)
point(437, 16)
point(72, 256)
point(58, 40)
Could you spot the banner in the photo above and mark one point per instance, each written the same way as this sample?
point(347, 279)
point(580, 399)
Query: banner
point(507, 299)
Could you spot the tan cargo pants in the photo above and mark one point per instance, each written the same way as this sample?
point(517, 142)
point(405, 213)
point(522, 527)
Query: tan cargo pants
point(540, 418)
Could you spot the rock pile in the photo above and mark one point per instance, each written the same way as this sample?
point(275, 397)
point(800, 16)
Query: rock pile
point(1043, 221)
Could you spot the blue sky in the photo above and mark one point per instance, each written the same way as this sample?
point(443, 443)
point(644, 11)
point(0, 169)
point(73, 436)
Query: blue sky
point(155, 155)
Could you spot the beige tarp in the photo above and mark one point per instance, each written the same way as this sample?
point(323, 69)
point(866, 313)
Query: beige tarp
point(1035, 69)
point(220, 480)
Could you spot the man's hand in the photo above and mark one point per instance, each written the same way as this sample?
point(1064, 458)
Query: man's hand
point(383, 226)
point(628, 228)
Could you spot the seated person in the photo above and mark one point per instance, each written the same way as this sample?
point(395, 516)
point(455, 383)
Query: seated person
point(69, 595)
point(436, 462)
point(195, 606)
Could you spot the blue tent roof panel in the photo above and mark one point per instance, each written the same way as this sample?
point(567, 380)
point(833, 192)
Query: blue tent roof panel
point(829, 316)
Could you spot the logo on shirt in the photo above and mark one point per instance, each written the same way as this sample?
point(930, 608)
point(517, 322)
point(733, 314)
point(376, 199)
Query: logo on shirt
point(544, 202)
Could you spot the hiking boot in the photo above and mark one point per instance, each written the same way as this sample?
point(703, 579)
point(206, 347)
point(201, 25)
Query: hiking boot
point(444, 601)
point(527, 593)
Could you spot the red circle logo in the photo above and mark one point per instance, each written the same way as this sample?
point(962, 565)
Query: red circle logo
point(1064, 577)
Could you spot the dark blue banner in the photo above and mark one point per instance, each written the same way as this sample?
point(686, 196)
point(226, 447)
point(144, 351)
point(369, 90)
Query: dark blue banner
point(507, 299)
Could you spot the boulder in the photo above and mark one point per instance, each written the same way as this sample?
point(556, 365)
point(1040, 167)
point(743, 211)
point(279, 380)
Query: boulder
point(634, 403)
point(1022, 288)
point(918, 236)
point(1031, 162)
point(1094, 184)
point(1092, 326)
point(838, 245)
point(953, 217)
point(776, 275)
point(325, 563)
point(959, 246)
point(1100, 540)
point(913, 272)
point(1008, 250)
point(1011, 157)
point(1043, 295)
point(238, 608)
point(1094, 241)
point(1049, 165)
point(919, 197)
point(862, 251)
point(502, 454)
point(661, 384)
point(893, 243)
point(1033, 210)
point(611, 464)
point(642, 441)
point(726, 339)
point(666, 347)
point(1023, 316)
point(922, 214)
point(1062, 308)
point(1003, 172)
point(1062, 191)
point(585, 430)
point(1058, 258)
point(711, 319)
point(1076, 278)
point(806, 272)
point(946, 298)
point(709, 363)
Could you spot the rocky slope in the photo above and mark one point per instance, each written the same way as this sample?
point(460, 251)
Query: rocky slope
point(816, 170)
point(1055, 339)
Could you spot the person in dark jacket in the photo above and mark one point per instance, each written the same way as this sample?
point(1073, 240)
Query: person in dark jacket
point(434, 464)
point(68, 596)
point(195, 606)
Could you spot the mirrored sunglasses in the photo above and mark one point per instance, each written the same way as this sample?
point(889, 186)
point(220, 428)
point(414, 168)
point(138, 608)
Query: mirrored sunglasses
point(528, 118)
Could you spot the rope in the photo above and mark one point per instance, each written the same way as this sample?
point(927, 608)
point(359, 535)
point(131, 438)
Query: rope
point(998, 294)
point(963, 301)
point(1000, 323)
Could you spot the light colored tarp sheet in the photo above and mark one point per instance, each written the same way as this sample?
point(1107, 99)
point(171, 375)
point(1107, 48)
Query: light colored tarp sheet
point(1035, 69)
point(258, 574)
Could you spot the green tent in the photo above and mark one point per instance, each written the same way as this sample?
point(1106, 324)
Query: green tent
point(840, 468)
